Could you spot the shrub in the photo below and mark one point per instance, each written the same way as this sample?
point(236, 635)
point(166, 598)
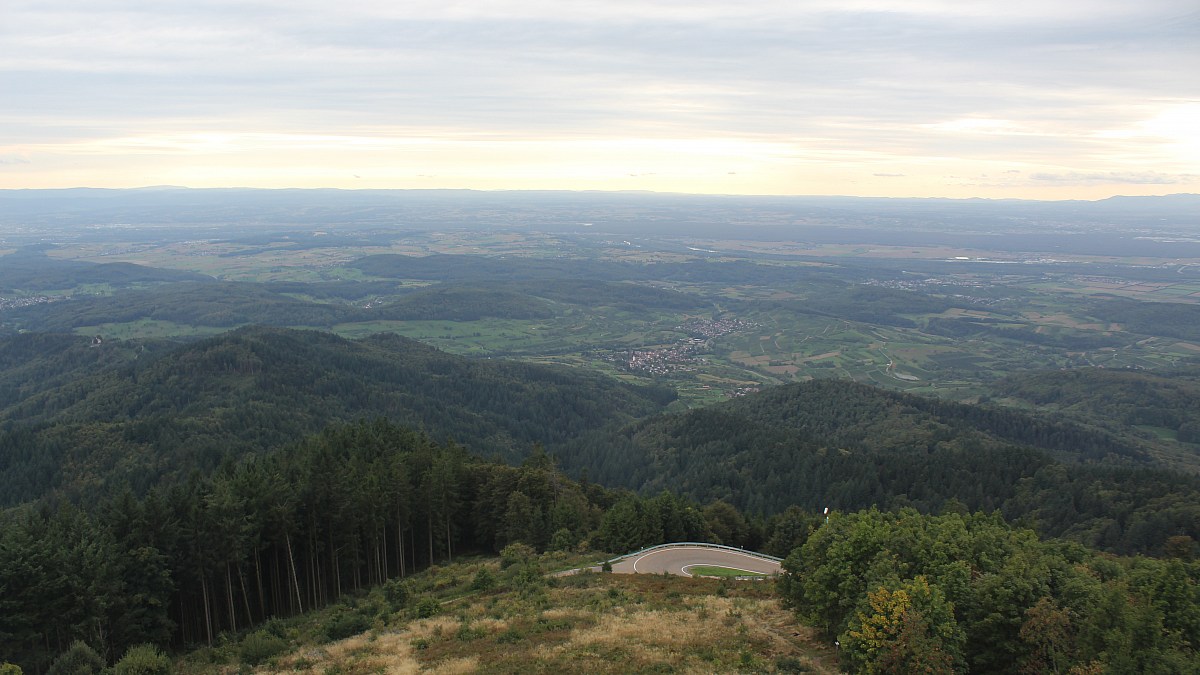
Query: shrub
point(484, 580)
point(260, 646)
point(562, 540)
point(345, 625)
point(397, 593)
point(7, 668)
point(467, 633)
point(515, 553)
point(143, 660)
point(427, 607)
point(79, 659)
point(510, 636)
point(274, 627)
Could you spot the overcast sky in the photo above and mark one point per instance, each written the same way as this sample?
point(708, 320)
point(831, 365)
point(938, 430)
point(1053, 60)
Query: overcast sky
point(1042, 99)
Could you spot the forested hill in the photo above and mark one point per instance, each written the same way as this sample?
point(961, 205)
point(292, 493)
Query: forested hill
point(227, 304)
point(31, 270)
point(1165, 401)
point(850, 446)
point(139, 412)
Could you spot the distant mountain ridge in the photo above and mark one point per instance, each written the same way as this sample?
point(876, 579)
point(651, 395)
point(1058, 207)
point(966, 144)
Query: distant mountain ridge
point(177, 206)
point(30, 270)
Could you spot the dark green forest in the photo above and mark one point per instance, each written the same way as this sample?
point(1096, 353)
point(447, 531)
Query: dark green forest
point(72, 412)
point(227, 304)
point(367, 504)
point(277, 533)
point(76, 415)
point(31, 270)
point(1151, 318)
point(1116, 399)
point(829, 443)
point(174, 491)
point(903, 592)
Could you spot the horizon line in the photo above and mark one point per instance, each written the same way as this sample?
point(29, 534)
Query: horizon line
point(592, 191)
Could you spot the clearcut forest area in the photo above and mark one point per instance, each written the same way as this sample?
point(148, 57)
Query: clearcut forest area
point(242, 431)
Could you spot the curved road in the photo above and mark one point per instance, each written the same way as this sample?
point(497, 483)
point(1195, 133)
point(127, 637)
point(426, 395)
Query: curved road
point(677, 560)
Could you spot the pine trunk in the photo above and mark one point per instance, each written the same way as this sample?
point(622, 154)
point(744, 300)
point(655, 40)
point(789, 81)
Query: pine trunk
point(229, 599)
point(245, 595)
point(262, 608)
point(292, 563)
point(207, 614)
point(400, 546)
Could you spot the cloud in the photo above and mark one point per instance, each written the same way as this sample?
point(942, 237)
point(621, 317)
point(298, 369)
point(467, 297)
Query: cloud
point(888, 175)
point(1054, 88)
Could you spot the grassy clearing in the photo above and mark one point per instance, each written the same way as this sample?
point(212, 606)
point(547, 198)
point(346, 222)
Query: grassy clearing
point(595, 623)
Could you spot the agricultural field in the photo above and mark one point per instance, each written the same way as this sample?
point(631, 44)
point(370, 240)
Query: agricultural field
point(792, 311)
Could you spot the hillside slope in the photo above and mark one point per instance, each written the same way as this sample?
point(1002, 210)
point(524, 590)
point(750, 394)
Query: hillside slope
point(847, 446)
point(141, 411)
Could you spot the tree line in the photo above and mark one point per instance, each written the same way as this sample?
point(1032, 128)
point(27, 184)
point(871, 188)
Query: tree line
point(281, 533)
point(903, 592)
point(147, 413)
point(851, 446)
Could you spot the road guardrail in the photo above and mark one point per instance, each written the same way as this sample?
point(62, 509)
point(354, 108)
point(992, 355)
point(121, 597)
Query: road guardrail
point(695, 544)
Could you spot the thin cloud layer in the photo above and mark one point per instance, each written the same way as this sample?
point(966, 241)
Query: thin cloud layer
point(866, 97)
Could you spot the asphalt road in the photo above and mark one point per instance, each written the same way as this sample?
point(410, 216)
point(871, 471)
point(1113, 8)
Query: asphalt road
point(678, 560)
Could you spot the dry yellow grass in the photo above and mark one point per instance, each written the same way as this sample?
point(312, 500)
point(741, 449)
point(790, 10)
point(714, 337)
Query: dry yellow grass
point(698, 637)
point(595, 624)
point(388, 653)
point(468, 664)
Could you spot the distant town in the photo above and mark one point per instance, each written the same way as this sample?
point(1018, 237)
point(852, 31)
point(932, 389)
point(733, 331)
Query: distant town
point(679, 356)
point(26, 301)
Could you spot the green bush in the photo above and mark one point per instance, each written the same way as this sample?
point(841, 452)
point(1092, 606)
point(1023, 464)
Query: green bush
point(397, 593)
point(10, 669)
point(484, 580)
point(259, 647)
point(79, 659)
point(562, 540)
point(427, 607)
point(143, 660)
point(516, 553)
point(274, 627)
point(345, 625)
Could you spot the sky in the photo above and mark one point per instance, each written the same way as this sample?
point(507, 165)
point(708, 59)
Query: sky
point(1031, 99)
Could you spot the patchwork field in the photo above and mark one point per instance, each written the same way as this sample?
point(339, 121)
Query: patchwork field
point(950, 334)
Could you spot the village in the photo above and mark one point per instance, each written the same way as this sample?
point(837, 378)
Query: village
point(679, 356)
point(25, 301)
